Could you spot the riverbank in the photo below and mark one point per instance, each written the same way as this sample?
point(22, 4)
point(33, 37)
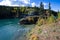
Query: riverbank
point(45, 32)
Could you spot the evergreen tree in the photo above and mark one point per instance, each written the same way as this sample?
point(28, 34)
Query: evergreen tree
point(36, 10)
point(58, 11)
point(49, 8)
point(41, 8)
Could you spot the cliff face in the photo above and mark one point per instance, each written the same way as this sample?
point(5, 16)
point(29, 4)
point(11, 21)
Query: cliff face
point(45, 32)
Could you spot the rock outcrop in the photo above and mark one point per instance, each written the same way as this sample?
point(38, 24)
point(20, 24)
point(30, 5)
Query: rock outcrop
point(29, 20)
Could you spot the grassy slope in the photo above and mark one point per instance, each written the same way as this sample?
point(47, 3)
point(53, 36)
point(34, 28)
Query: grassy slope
point(45, 32)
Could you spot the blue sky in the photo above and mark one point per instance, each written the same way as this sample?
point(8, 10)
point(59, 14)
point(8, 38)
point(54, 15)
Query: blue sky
point(55, 4)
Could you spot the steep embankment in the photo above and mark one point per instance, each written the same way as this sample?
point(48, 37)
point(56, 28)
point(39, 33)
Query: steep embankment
point(45, 32)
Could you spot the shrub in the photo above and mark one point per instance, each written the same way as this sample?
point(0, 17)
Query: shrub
point(39, 31)
point(34, 37)
point(59, 16)
point(40, 21)
point(50, 19)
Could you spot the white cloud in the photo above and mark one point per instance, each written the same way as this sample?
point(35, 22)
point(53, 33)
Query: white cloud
point(38, 5)
point(45, 4)
point(25, 1)
point(10, 2)
point(13, 0)
point(33, 4)
point(5, 2)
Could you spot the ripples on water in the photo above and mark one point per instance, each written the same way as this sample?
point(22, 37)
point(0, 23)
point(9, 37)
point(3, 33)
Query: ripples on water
point(11, 30)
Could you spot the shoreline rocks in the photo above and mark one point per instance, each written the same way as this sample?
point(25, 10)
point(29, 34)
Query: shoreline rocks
point(29, 20)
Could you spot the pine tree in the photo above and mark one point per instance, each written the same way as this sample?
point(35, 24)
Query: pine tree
point(41, 8)
point(36, 10)
point(49, 8)
point(58, 11)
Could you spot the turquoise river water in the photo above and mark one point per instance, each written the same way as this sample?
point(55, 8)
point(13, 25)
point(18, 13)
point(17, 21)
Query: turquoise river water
point(11, 30)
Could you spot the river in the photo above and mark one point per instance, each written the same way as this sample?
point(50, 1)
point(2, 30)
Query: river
point(11, 30)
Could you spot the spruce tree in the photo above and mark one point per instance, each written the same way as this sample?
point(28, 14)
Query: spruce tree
point(49, 8)
point(41, 8)
point(36, 10)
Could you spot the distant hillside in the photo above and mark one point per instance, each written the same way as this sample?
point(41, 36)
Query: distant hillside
point(12, 12)
point(53, 12)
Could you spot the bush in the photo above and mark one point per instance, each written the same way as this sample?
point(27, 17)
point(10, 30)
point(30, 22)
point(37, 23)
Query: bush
point(50, 19)
point(34, 37)
point(40, 21)
point(59, 16)
point(39, 31)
